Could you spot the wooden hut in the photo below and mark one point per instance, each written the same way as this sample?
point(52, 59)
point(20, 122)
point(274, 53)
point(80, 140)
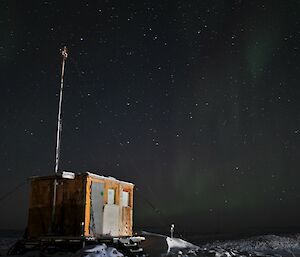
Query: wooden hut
point(87, 205)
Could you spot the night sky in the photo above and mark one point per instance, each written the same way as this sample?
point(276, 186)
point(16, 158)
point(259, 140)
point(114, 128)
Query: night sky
point(196, 102)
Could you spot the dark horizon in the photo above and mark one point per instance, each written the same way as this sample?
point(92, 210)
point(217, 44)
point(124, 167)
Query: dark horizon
point(197, 103)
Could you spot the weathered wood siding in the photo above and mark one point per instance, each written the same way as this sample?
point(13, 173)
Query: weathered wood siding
point(73, 206)
point(69, 212)
point(125, 221)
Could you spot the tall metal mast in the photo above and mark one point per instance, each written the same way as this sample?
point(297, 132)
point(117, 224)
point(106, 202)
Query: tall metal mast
point(59, 119)
point(64, 54)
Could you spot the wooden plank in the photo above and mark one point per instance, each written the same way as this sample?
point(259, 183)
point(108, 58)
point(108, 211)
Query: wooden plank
point(87, 206)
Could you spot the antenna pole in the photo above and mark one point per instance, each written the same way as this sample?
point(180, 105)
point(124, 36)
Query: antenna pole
point(59, 119)
point(64, 54)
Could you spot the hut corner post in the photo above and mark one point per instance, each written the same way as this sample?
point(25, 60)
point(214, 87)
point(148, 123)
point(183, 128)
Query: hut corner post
point(64, 54)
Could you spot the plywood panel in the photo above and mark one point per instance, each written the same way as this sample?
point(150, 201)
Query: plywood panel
point(69, 212)
point(111, 220)
point(126, 228)
point(96, 206)
point(40, 208)
point(72, 207)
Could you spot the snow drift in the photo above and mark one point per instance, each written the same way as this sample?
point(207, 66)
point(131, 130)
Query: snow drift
point(159, 245)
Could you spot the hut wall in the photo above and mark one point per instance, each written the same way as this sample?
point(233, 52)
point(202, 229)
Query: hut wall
point(69, 212)
point(113, 202)
point(70, 206)
point(116, 218)
point(40, 208)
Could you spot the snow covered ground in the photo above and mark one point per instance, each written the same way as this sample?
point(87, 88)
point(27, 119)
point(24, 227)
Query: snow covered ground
point(6, 243)
point(262, 245)
point(159, 245)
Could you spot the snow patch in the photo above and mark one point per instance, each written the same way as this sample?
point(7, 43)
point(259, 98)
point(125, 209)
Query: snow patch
point(99, 251)
point(177, 243)
point(260, 243)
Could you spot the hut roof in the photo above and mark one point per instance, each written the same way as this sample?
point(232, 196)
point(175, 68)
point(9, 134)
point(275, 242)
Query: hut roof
point(93, 175)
